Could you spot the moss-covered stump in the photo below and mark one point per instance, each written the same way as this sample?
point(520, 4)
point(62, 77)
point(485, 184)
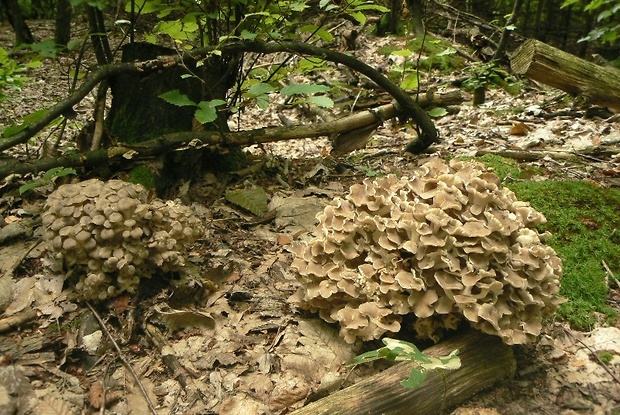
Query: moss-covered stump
point(137, 113)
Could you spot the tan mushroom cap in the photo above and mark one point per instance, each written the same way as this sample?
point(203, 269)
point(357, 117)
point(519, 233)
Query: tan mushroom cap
point(104, 231)
point(448, 242)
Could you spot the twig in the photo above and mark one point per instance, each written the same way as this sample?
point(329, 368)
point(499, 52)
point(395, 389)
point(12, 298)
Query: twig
point(611, 274)
point(598, 359)
point(17, 319)
point(122, 357)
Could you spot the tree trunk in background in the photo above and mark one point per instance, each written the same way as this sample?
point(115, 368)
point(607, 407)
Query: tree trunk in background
point(62, 32)
point(590, 83)
point(16, 19)
point(416, 8)
point(137, 113)
point(98, 36)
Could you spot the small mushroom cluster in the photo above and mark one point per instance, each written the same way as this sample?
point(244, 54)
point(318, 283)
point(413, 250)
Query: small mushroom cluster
point(110, 235)
point(445, 245)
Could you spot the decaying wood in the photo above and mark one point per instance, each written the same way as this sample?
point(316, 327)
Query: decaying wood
point(173, 141)
point(591, 83)
point(486, 361)
point(534, 155)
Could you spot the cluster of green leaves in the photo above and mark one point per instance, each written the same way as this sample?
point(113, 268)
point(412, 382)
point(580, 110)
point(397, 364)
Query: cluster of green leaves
point(607, 19)
point(12, 73)
point(193, 24)
point(485, 74)
point(48, 177)
point(401, 351)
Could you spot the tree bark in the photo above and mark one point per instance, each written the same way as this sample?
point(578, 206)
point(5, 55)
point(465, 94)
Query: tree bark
point(16, 18)
point(590, 83)
point(485, 361)
point(62, 31)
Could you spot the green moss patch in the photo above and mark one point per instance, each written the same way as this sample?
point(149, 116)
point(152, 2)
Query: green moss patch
point(585, 223)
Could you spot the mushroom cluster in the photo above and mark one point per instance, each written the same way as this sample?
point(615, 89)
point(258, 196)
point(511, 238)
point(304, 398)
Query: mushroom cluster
point(110, 235)
point(448, 244)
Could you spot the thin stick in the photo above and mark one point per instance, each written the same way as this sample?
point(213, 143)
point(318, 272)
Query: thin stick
point(122, 357)
point(598, 359)
point(611, 274)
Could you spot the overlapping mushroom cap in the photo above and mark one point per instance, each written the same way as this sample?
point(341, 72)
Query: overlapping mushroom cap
point(110, 235)
point(445, 245)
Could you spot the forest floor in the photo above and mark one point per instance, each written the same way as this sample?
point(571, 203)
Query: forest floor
point(226, 340)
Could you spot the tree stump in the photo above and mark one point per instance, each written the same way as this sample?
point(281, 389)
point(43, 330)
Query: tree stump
point(590, 83)
point(485, 361)
point(137, 113)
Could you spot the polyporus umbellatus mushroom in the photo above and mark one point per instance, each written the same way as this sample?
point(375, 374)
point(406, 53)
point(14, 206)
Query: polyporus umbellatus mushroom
point(110, 235)
point(445, 245)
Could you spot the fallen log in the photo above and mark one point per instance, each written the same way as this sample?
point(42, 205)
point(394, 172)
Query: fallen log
point(124, 153)
point(485, 361)
point(590, 83)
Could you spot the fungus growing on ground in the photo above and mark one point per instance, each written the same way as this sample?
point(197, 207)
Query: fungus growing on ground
point(446, 245)
point(110, 235)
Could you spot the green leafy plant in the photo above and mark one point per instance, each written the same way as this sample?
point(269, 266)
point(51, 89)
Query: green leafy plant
point(399, 351)
point(12, 73)
point(48, 177)
point(607, 27)
point(206, 111)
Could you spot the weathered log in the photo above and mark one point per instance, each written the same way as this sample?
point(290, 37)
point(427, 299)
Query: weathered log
point(591, 83)
point(485, 362)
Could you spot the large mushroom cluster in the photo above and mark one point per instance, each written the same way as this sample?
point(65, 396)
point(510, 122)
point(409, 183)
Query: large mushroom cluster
point(446, 245)
point(110, 235)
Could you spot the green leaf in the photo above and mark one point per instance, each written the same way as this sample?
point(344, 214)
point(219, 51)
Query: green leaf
point(303, 89)
point(370, 6)
point(177, 98)
point(259, 89)
point(437, 112)
point(405, 53)
point(416, 377)
point(29, 186)
point(323, 3)
point(359, 16)
point(325, 35)
point(58, 172)
point(26, 121)
point(247, 35)
point(45, 49)
point(206, 111)
point(447, 51)
point(321, 101)
point(252, 200)
point(410, 81)
point(569, 3)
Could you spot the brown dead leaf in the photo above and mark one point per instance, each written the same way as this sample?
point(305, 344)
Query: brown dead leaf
point(120, 304)
point(52, 406)
point(180, 319)
point(283, 240)
point(95, 394)
point(519, 129)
